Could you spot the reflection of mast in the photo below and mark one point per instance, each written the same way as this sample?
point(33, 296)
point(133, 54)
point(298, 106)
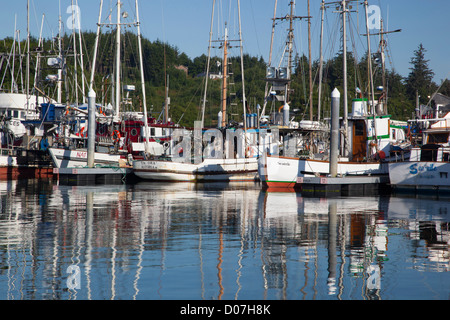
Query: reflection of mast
point(332, 237)
point(219, 264)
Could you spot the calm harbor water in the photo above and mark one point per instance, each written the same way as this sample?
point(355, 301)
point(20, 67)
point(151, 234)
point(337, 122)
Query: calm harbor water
point(217, 241)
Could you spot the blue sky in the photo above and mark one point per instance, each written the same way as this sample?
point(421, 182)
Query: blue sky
point(185, 24)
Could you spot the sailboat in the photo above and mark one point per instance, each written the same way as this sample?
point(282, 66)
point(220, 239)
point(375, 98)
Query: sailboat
point(366, 137)
point(230, 153)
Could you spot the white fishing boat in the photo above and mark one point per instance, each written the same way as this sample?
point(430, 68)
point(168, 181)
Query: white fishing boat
point(367, 154)
point(73, 158)
point(224, 158)
point(365, 138)
point(244, 169)
point(428, 167)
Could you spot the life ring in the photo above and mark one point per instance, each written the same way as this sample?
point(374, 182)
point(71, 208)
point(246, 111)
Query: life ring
point(249, 152)
point(116, 135)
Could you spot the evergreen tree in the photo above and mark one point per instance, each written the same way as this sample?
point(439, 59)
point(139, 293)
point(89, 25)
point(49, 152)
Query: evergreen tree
point(420, 79)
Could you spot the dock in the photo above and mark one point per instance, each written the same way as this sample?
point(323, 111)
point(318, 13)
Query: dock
point(92, 176)
point(344, 186)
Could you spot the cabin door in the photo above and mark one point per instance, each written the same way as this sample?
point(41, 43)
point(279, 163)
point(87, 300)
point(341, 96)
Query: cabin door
point(359, 149)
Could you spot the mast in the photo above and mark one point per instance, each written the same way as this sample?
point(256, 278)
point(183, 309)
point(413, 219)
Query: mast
point(224, 78)
point(118, 60)
point(94, 60)
point(290, 46)
point(207, 64)
point(28, 55)
point(310, 66)
point(242, 72)
point(59, 85)
point(344, 67)
point(141, 65)
point(75, 54)
point(83, 77)
point(319, 102)
point(266, 93)
point(369, 61)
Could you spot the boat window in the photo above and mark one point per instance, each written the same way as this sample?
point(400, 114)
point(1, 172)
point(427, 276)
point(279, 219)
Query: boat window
point(152, 131)
point(446, 157)
point(359, 128)
point(429, 152)
point(438, 138)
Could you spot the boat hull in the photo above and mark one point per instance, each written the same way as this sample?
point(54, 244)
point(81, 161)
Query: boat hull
point(208, 170)
point(285, 172)
point(420, 175)
point(66, 158)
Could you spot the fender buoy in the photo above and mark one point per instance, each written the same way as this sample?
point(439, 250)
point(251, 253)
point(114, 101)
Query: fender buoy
point(116, 135)
point(249, 152)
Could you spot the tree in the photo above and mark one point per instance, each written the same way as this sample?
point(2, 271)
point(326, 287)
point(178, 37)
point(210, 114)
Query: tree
point(420, 79)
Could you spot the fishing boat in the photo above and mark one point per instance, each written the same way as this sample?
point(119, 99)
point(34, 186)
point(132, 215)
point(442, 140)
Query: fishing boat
point(230, 153)
point(367, 136)
point(428, 166)
point(119, 134)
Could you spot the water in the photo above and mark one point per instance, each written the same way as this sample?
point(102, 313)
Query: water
point(217, 241)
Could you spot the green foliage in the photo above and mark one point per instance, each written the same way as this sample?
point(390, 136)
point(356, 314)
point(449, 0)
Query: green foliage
point(166, 65)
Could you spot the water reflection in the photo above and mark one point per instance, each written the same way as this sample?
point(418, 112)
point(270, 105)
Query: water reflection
point(217, 241)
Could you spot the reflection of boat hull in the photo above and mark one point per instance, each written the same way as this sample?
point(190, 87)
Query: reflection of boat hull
point(9, 169)
point(67, 158)
point(208, 170)
point(284, 172)
point(420, 175)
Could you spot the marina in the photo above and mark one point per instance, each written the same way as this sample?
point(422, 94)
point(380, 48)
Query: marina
point(132, 171)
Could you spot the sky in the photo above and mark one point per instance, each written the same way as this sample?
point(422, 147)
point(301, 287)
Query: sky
point(185, 24)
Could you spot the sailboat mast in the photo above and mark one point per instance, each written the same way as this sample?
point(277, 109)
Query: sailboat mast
point(94, 60)
point(290, 46)
point(118, 59)
point(28, 55)
point(83, 77)
point(207, 65)
point(242, 70)
point(266, 93)
point(369, 60)
point(141, 65)
point(319, 102)
point(224, 78)
point(75, 54)
point(344, 67)
point(310, 66)
point(59, 84)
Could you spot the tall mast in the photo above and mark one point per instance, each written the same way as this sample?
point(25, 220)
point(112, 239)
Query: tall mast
point(290, 45)
point(28, 55)
point(141, 65)
point(83, 77)
point(118, 60)
point(207, 64)
point(266, 93)
point(242, 70)
point(369, 60)
point(310, 67)
point(94, 60)
point(61, 62)
point(319, 102)
point(224, 78)
point(75, 54)
point(344, 67)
